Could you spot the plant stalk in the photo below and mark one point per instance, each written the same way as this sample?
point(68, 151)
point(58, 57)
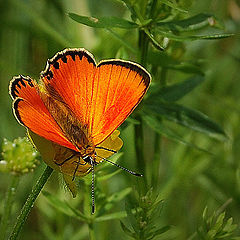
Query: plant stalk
point(30, 202)
point(139, 144)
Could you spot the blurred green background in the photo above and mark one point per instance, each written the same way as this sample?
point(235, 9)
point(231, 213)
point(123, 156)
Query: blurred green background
point(188, 179)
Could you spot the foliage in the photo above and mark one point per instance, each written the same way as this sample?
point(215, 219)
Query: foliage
point(216, 227)
point(184, 136)
point(143, 217)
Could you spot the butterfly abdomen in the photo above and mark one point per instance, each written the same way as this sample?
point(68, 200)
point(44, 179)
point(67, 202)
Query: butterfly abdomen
point(74, 130)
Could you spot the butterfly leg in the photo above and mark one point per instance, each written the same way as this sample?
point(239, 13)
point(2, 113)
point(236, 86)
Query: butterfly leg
point(78, 164)
point(60, 164)
point(75, 171)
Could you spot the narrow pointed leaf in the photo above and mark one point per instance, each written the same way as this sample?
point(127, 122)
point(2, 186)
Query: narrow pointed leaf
point(103, 22)
point(111, 216)
point(173, 5)
point(157, 126)
point(108, 176)
point(193, 37)
point(196, 22)
point(153, 40)
point(187, 117)
point(161, 231)
point(127, 230)
point(131, 8)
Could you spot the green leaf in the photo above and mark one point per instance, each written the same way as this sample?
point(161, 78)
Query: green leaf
point(103, 22)
point(186, 68)
point(111, 216)
point(187, 117)
point(174, 5)
point(131, 216)
point(63, 207)
point(158, 127)
point(177, 91)
point(219, 222)
point(108, 176)
point(153, 40)
point(127, 230)
point(193, 37)
point(131, 8)
point(116, 197)
point(196, 22)
point(161, 231)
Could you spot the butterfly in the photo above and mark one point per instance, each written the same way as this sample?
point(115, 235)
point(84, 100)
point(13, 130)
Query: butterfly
point(77, 106)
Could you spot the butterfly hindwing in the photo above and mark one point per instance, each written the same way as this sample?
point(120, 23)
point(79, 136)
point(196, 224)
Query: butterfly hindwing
point(31, 112)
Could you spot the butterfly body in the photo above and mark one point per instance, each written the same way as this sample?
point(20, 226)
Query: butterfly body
point(78, 105)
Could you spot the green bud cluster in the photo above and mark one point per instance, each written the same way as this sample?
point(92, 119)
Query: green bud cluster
point(19, 157)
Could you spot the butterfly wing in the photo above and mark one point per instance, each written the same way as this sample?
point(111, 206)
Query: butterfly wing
point(118, 88)
point(31, 112)
point(101, 96)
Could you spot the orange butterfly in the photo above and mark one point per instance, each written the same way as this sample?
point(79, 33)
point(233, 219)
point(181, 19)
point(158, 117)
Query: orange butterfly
point(78, 105)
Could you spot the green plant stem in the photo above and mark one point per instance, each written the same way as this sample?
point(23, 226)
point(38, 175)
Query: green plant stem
point(30, 202)
point(8, 205)
point(91, 231)
point(142, 58)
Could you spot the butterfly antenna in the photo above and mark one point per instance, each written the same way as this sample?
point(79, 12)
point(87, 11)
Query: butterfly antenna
point(92, 188)
point(107, 149)
point(123, 168)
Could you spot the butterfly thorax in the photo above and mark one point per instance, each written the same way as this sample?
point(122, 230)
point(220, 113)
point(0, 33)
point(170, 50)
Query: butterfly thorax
point(74, 130)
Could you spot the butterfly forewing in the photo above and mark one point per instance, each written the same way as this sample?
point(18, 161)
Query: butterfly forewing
point(101, 97)
point(123, 85)
point(31, 112)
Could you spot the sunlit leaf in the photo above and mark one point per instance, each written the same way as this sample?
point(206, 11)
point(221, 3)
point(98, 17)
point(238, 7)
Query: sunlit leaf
point(108, 176)
point(103, 22)
point(174, 5)
point(111, 216)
